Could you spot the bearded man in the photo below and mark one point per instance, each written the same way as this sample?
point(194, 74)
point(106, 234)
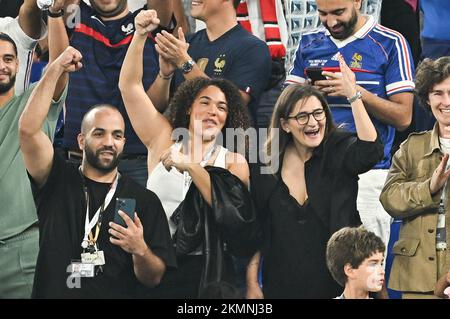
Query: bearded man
point(83, 253)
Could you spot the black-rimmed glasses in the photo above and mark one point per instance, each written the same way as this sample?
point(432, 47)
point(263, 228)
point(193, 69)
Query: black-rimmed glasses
point(303, 117)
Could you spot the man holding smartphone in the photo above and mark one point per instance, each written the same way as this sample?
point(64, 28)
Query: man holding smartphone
point(83, 253)
point(382, 63)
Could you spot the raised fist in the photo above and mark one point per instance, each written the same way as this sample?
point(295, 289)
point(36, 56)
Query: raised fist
point(146, 21)
point(57, 6)
point(70, 60)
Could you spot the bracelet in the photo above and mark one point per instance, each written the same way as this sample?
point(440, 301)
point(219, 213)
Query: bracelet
point(165, 77)
point(355, 97)
point(58, 14)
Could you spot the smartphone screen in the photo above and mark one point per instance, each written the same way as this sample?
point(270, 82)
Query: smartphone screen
point(315, 74)
point(128, 206)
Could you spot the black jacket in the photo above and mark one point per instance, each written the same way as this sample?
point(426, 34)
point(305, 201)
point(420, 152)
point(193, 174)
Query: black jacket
point(229, 226)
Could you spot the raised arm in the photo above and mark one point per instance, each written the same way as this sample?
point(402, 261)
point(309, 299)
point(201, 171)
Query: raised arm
point(58, 41)
point(364, 127)
point(178, 11)
point(152, 127)
point(36, 147)
point(30, 19)
point(395, 110)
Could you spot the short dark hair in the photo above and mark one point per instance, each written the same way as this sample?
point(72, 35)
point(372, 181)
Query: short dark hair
point(351, 245)
point(429, 73)
point(95, 107)
point(7, 38)
point(236, 3)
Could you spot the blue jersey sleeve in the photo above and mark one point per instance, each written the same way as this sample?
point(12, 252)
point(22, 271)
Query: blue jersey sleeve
point(297, 73)
point(399, 75)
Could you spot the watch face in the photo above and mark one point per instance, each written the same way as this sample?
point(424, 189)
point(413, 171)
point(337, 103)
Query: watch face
point(187, 66)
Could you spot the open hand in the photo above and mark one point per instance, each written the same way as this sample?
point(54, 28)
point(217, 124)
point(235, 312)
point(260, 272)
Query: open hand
point(440, 176)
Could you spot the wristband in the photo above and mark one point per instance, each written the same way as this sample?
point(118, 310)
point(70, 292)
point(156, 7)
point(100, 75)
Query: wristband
point(58, 14)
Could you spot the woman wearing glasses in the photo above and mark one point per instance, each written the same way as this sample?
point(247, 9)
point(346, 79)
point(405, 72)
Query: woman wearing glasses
point(310, 190)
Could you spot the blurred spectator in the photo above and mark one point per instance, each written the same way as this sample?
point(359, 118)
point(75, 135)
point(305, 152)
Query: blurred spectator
point(403, 16)
point(436, 28)
point(10, 8)
point(40, 60)
point(265, 19)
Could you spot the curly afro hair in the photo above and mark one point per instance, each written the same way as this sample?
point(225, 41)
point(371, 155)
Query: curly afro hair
point(189, 90)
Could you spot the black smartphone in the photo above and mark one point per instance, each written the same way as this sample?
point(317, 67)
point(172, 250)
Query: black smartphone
point(128, 206)
point(315, 73)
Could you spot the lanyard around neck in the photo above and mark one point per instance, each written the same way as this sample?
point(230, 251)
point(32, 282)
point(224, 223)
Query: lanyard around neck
point(88, 225)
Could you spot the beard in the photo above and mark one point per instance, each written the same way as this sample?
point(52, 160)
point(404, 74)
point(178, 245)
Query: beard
point(111, 13)
point(348, 27)
point(5, 87)
point(94, 159)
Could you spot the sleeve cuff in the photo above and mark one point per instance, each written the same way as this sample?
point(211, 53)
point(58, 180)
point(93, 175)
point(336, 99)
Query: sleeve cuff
point(27, 42)
point(426, 199)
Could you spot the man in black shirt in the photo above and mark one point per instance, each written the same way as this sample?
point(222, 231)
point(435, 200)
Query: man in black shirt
point(83, 253)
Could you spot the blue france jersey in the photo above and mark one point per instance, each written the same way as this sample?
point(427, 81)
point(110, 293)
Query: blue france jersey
point(103, 45)
point(237, 56)
point(381, 60)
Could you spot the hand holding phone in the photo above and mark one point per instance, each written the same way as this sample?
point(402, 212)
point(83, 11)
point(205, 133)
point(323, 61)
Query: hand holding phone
point(315, 74)
point(128, 206)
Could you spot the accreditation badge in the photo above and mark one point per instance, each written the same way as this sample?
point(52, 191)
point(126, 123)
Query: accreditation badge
point(97, 258)
point(80, 269)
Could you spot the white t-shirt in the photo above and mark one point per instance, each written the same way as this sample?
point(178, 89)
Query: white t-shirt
point(25, 47)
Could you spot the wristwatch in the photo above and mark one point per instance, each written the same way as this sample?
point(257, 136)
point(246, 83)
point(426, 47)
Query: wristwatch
point(187, 66)
point(352, 99)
